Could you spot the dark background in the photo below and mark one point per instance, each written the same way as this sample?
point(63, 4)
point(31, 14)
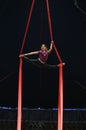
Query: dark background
point(40, 86)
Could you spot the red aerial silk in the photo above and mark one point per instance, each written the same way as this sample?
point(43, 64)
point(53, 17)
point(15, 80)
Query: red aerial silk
point(60, 98)
point(60, 93)
point(19, 115)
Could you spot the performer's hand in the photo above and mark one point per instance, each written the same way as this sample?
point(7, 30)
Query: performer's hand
point(21, 55)
point(52, 42)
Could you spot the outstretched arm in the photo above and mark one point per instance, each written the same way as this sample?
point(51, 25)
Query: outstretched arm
point(51, 47)
point(29, 54)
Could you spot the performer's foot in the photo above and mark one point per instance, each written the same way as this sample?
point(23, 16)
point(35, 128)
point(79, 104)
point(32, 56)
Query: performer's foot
point(61, 64)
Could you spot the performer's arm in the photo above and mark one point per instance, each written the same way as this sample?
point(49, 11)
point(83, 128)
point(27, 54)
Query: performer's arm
point(29, 54)
point(51, 47)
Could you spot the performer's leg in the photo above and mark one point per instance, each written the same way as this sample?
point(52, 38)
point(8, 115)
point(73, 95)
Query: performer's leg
point(35, 62)
point(50, 66)
point(39, 64)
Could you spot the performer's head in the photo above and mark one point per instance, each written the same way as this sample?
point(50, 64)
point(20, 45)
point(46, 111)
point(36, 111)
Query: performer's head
point(43, 47)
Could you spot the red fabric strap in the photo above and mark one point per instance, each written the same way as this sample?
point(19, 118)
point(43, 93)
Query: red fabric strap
point(50, 29)
point(27, 26)
point(19, 115)
point(60, 98)
point(60, 93)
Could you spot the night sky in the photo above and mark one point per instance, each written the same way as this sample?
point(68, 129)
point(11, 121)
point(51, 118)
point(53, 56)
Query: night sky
point(40, 86)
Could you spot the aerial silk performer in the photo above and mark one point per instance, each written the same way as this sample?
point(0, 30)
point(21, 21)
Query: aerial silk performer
point(43, 54)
